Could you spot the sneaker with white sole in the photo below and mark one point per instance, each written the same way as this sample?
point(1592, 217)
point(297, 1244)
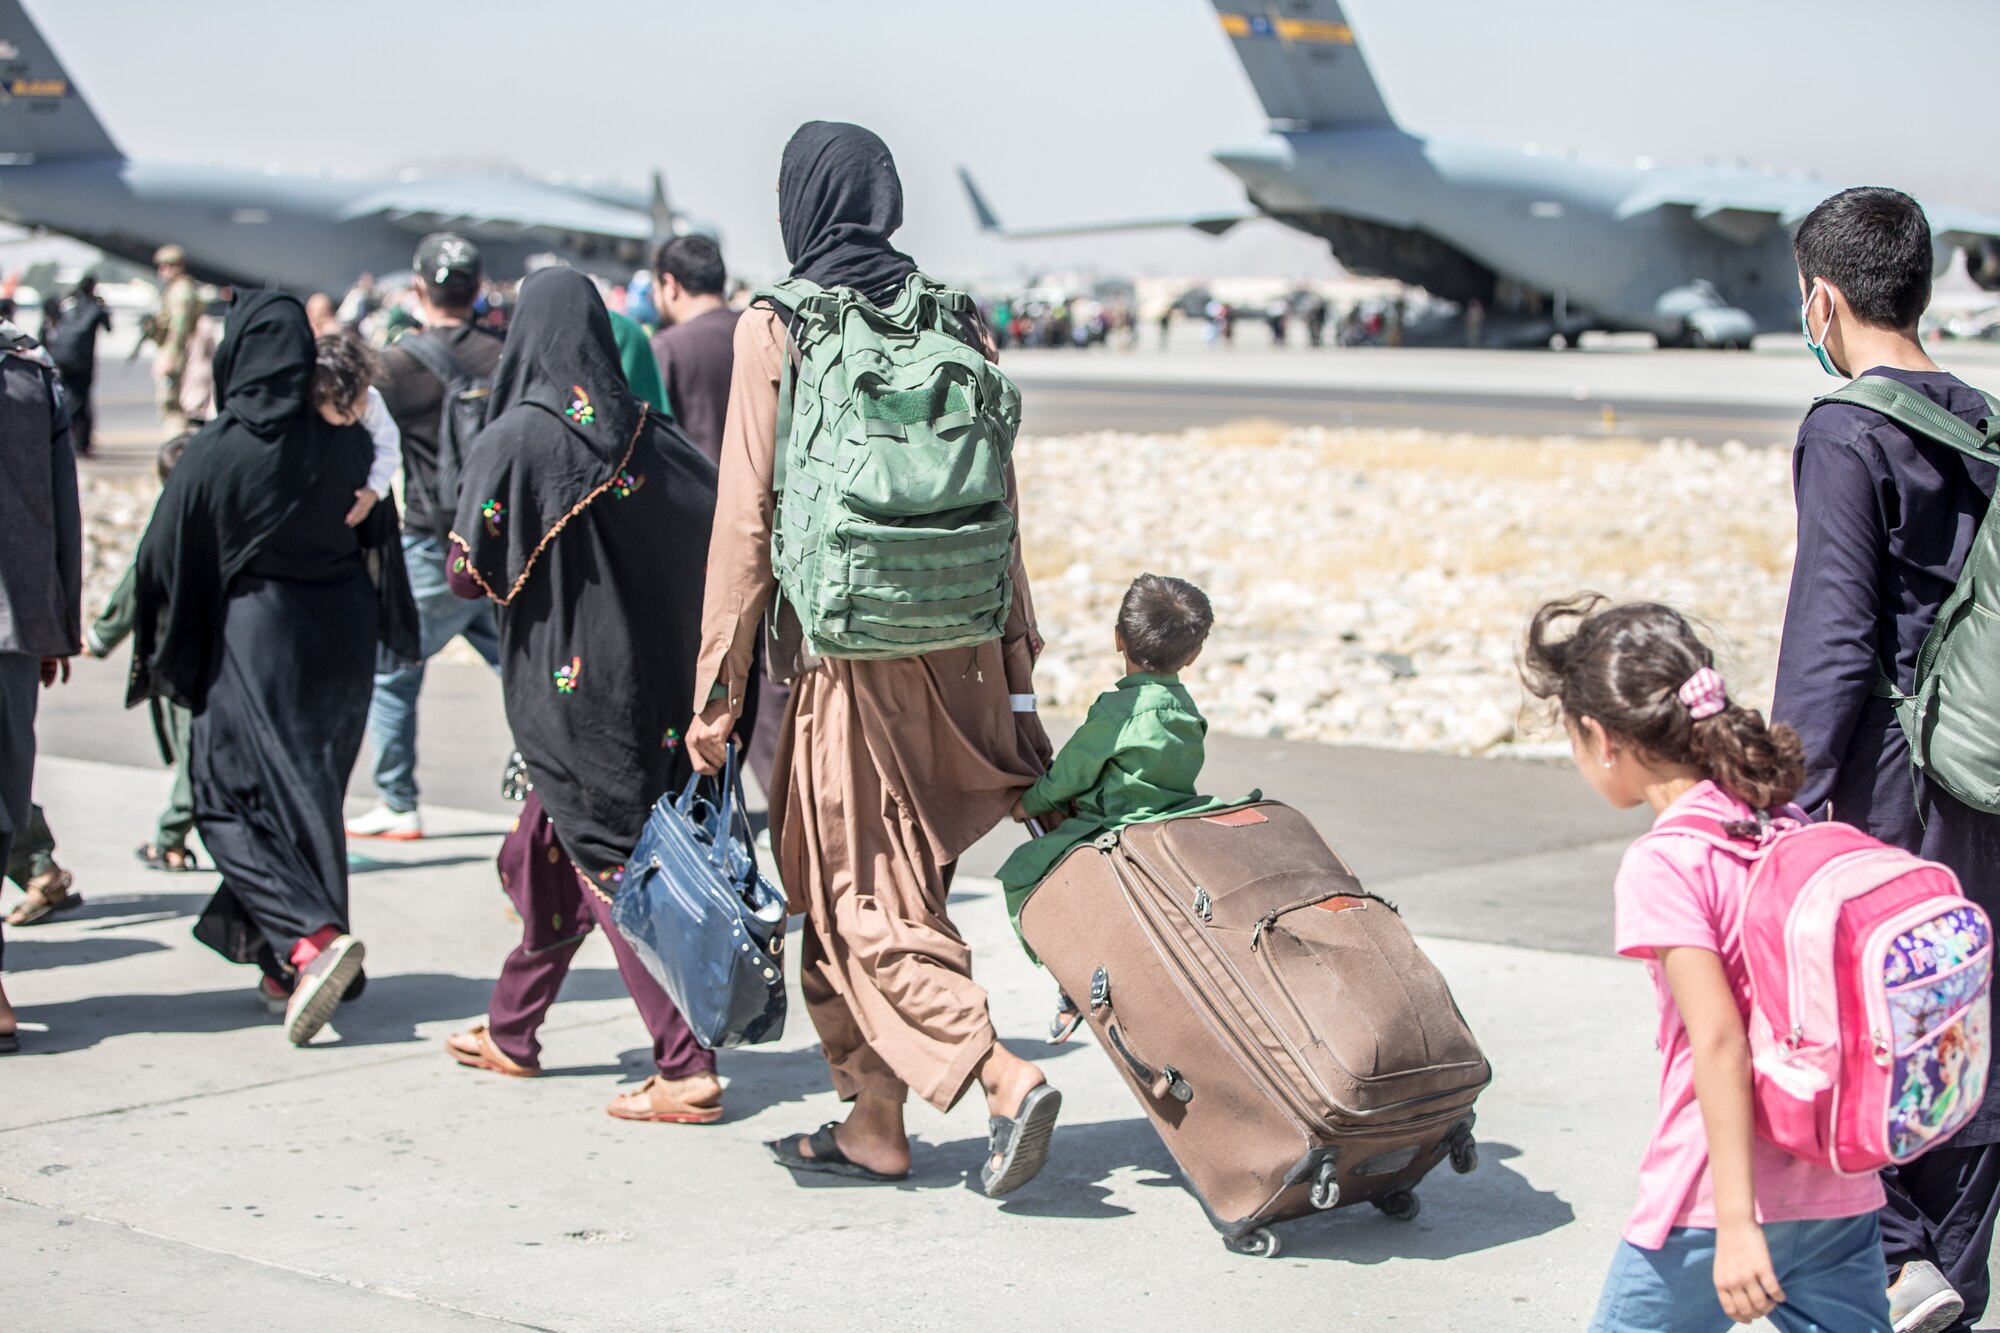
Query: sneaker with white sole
point(382, 822)
point(1922, 1301)
point(321, 984)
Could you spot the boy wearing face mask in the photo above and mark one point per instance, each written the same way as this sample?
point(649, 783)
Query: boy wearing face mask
point(1886, 520)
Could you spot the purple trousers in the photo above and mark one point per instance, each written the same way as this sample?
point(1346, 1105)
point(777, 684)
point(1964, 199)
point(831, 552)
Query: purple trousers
point(557, 910)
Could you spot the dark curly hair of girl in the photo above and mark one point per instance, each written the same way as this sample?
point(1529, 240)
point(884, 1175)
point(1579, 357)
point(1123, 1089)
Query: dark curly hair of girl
point(1624, 665)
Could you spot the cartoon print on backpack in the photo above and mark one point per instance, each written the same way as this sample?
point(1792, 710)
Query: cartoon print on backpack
point(1941, 1084)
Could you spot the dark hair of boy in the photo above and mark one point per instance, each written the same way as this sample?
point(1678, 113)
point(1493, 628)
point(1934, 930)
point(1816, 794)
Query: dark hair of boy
point(1163, 622)
point(1874, 244)
point(1624, 665)
point(695, 262)
point(343, 368)
point(170, 453)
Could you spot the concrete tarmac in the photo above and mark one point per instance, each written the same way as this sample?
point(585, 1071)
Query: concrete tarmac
point(168, 1162)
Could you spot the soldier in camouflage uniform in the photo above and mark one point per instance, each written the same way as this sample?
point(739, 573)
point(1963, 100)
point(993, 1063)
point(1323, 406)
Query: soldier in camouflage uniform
point(171, 328)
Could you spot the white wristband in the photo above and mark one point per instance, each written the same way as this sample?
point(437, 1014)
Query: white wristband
point(1021, 703)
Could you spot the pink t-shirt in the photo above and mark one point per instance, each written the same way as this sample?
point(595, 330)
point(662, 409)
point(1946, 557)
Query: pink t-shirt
point(1675, 892)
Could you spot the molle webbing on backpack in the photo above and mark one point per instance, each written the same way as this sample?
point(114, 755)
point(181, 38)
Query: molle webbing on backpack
point(892, 536)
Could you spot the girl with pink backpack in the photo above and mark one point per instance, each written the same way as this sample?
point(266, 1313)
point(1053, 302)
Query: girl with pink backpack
point(1822, 997)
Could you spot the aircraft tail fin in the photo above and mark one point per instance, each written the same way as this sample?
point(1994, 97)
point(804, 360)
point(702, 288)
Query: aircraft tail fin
point(43, 117)
point(1302, 60)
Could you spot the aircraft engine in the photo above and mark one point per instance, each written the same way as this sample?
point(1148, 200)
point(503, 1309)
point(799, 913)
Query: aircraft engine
point(1982, 261)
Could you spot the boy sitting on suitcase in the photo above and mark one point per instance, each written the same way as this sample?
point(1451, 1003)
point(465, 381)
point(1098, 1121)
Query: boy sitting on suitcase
point(1138, 753)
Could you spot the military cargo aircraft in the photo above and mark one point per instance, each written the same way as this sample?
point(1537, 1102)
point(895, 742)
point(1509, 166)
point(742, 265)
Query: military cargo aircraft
point(305, 231)
point(1548, 245)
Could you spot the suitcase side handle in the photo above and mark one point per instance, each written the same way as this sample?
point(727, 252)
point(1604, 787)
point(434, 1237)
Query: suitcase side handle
point(1163, 1083)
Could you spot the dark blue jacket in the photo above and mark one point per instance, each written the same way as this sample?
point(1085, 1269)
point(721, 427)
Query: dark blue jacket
point(1886, 520)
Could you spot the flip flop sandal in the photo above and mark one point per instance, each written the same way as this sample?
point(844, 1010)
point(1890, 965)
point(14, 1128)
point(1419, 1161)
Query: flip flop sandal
point(1021, 1142)
point(155, 857)
point(486, 1055)
point(684, 1113)
point(827, 1157)
point(39, 906)
point(1067, 1020)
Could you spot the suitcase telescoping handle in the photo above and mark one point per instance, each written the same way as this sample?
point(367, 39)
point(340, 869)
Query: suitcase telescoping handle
point(1162, 1083)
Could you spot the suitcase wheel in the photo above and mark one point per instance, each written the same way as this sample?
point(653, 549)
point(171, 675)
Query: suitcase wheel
point(1465, 1155)
point(1325, 1188)
point(1259, 1244)
point(1402, 1205)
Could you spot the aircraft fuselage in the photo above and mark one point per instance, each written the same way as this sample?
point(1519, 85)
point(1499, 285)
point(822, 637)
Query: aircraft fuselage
point(275, 228)
point(1556, 226)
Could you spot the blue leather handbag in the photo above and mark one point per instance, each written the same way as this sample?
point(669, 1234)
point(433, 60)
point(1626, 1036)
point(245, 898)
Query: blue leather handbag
point(708, 927)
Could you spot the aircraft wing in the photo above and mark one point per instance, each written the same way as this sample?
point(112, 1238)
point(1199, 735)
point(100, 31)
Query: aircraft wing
point(1213, 223)
point(1962, 227)
point(1739, 208)
point(501, 208)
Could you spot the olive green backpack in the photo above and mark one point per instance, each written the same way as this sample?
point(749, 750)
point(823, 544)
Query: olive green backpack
point(1951, 712)
point(892, 536)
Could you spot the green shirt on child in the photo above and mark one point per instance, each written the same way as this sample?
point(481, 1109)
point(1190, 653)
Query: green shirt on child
point(1135, 758)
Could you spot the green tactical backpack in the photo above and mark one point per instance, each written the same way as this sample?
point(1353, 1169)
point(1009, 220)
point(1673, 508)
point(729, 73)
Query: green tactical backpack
point(1951, 714)
point(892, 536)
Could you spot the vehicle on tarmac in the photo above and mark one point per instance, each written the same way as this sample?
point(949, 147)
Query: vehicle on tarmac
point(1549, 246)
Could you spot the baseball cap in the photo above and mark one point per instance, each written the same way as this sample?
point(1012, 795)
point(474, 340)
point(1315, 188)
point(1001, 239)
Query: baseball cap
point(445, 257)
point(169, 254)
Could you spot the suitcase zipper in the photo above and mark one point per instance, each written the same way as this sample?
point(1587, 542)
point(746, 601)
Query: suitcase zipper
point(1233, 1025)
point(1281, 1089)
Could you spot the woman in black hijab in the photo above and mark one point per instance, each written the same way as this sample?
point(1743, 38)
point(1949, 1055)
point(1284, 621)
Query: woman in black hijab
point(259, 609)
point(888, 770)
point(585, 516)
point(839, 201)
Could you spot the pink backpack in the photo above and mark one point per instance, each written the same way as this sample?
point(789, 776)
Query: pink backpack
point(1869, 978)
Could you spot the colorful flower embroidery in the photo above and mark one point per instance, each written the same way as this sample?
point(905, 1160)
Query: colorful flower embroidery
point(458, 564)
point(627, 482)
point(615, 875)
point(580, 411)
point(566, 676)
point(493, 511)
point(670, 739)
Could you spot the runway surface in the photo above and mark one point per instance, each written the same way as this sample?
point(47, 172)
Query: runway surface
point(1071, 406)
point(1709, 397)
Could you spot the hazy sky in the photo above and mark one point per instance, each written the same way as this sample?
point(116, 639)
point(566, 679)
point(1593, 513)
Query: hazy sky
point(1066, 110)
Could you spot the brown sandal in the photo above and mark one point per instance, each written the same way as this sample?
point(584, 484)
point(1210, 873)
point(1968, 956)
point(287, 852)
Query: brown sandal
point(474, 1049)
point(48, 895)
point(653, 1101)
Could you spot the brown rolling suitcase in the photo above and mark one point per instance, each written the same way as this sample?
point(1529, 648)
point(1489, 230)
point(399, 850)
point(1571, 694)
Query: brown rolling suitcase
point(1291, 1043)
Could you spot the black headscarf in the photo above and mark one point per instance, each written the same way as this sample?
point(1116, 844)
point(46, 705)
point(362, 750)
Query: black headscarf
point(839, 201)
point(587, 518)
point(241, 478)
point(559, 385)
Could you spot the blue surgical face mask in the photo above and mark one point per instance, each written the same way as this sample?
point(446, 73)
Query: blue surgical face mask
point(1819, 347)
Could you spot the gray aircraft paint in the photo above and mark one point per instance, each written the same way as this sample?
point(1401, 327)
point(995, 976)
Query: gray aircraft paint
point(60, 169)
point(1558, 243)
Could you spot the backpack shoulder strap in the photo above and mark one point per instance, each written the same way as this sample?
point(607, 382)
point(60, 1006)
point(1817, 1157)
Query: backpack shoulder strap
point(1919, 415)
point(1713, 832)
point(435, 358)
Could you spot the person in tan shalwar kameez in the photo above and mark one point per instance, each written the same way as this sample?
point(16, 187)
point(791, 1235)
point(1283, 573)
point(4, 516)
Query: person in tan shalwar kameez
point(888, 770)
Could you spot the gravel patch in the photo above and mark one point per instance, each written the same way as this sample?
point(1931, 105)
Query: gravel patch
point(1370, 586)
